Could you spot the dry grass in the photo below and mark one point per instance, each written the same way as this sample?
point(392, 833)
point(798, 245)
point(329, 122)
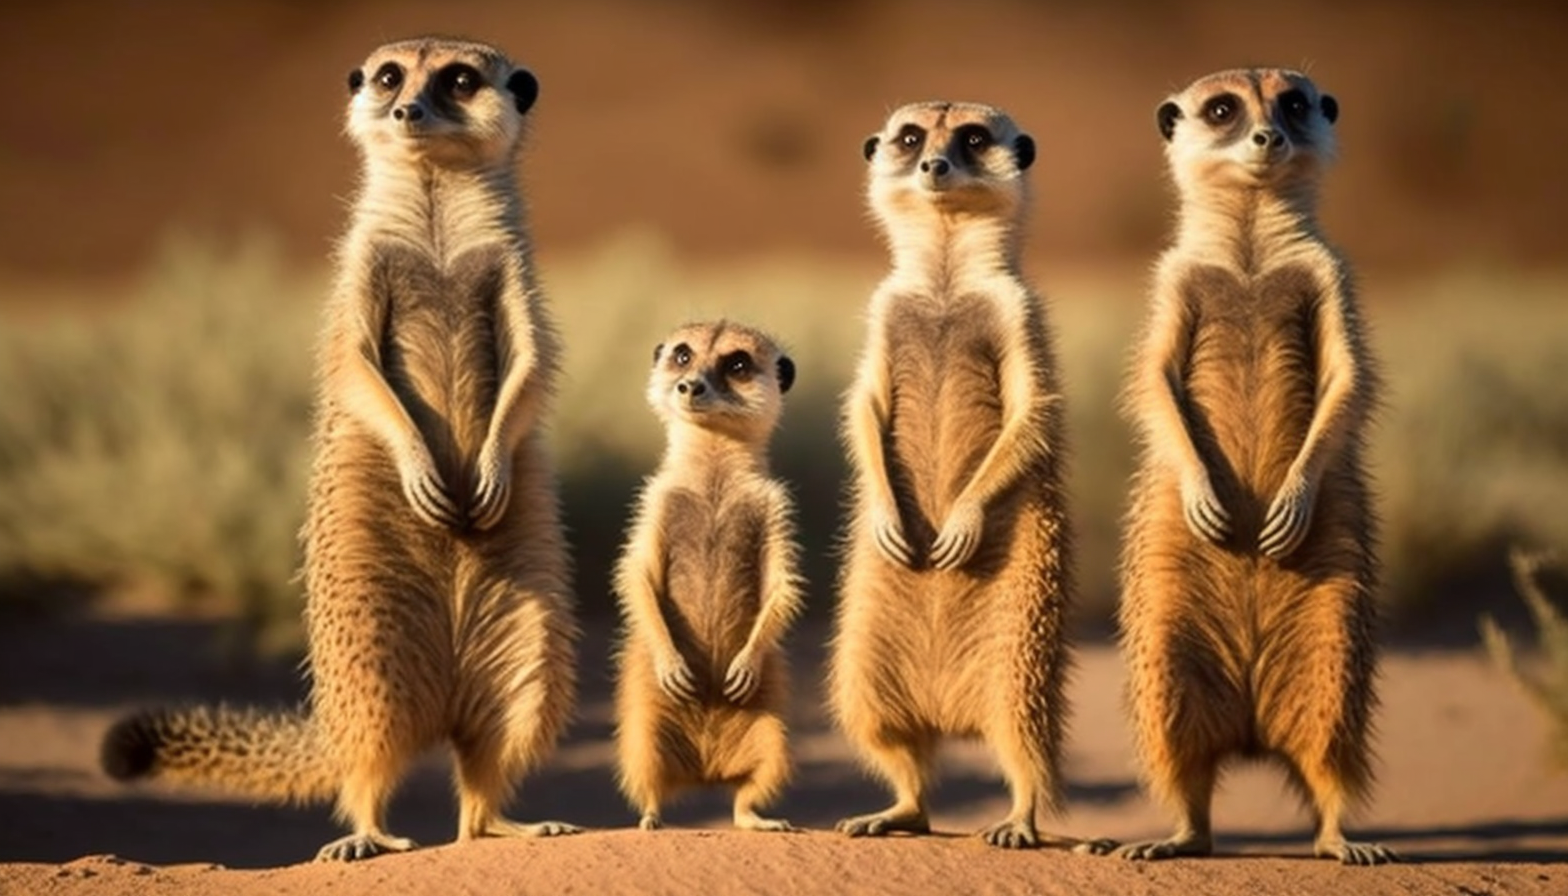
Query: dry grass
point(1547, 682)
point(163, 440)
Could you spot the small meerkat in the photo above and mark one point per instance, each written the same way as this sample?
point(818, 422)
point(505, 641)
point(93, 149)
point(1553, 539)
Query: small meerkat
point(1248, 564)
point(707, 582)
point(957, 571)
point(438, 603)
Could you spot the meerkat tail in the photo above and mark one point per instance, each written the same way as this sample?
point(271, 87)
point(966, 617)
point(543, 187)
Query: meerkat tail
point(275, 756)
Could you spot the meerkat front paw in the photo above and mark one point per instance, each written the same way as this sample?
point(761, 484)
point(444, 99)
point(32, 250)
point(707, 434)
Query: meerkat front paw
point(1206, 517)
point(424, 490)
point(1289, 518)
point(495, 487)
point(675, 677)
point(889, 535)
point(741, 681)
point(960, 536)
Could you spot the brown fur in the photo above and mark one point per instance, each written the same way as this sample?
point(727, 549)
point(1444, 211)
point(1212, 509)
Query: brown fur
point(1248, 565)
point(437, 577)
point(957, 571)
point(707, 583)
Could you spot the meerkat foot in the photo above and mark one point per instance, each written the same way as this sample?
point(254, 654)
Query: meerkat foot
point(1351, 852)
point(1094, 846)
point(878, 824)
point(650, 821)
point(504, 827)
point(362, 846)
point(751, 821)
point(1179, 845)
point(1011, 833)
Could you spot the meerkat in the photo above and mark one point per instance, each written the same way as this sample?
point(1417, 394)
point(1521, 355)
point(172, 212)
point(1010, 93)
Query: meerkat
point(957, 568)
point(708, 582)
point(438, 603)
point(1248, 564)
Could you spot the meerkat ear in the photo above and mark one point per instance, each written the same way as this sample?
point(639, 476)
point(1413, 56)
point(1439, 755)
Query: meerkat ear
point(525, 89)
point(1023, 150)
point(786, 373)
point(1330, 108)
point(1167, 116)
point(870, 147)
point(356, 80)
point(657, 351)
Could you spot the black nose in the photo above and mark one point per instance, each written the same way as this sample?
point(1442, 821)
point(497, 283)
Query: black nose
point(937, 167)
point(693, 387)
point(1268, 137)
point(411, 112)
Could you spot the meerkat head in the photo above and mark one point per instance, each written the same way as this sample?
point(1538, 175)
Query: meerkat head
point(956, 157)
point(720, 376)
point(449, 101)
point(1261, 127)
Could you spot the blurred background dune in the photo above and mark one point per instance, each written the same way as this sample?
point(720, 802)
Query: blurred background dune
point(172, 175)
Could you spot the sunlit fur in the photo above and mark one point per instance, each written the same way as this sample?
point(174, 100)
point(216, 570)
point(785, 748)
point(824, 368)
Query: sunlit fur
point(1254, 375)
point(707, 580)
point(954, 421)
point(437, 358)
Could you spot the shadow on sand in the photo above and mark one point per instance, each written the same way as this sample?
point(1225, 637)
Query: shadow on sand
point(52, 812)
point(1433, 843)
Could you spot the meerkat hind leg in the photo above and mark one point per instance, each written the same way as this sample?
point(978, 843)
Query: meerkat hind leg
point(747, 819)
point(363, 799)
point(903, 765)
point(1325, 785)
point(759, 787)
point(1017, 830)
point(483, 784)
point(1194, 837)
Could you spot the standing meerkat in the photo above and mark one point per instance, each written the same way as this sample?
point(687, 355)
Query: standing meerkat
point(438, 604)
point(1248, 569)
point(707, 582)
point(957, 571)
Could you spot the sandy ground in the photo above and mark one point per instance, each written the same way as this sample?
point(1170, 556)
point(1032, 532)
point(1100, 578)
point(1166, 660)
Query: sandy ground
point(1464, 795)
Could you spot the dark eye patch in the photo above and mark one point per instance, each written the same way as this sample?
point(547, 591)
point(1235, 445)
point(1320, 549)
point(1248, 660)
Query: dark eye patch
point(973, 138)
point(461, 81)
point(1221, 110)
point(389, 76)
point(738, 366)
point(910, 136)
point(1294, 103)
point(681, 355)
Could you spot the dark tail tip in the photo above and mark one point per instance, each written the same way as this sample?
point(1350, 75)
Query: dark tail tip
point(130, 747)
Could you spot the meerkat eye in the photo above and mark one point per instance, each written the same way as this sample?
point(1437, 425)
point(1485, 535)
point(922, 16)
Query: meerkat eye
point(739, 366)
point(976, 139)
point(1294, 102)
point(1220, 109)
point(389, 76)
point(910, 137)
point(462, 81)
point(682, 355)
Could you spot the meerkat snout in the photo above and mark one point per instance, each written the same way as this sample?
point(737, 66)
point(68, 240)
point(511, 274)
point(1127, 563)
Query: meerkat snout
point(694, 388)
point(411, 113)
point(1268, 137)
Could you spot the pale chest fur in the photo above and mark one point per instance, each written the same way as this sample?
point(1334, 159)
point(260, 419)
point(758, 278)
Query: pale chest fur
point(1251, 370)
point(715, 533)
point(946, 409)
point(440, 347)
